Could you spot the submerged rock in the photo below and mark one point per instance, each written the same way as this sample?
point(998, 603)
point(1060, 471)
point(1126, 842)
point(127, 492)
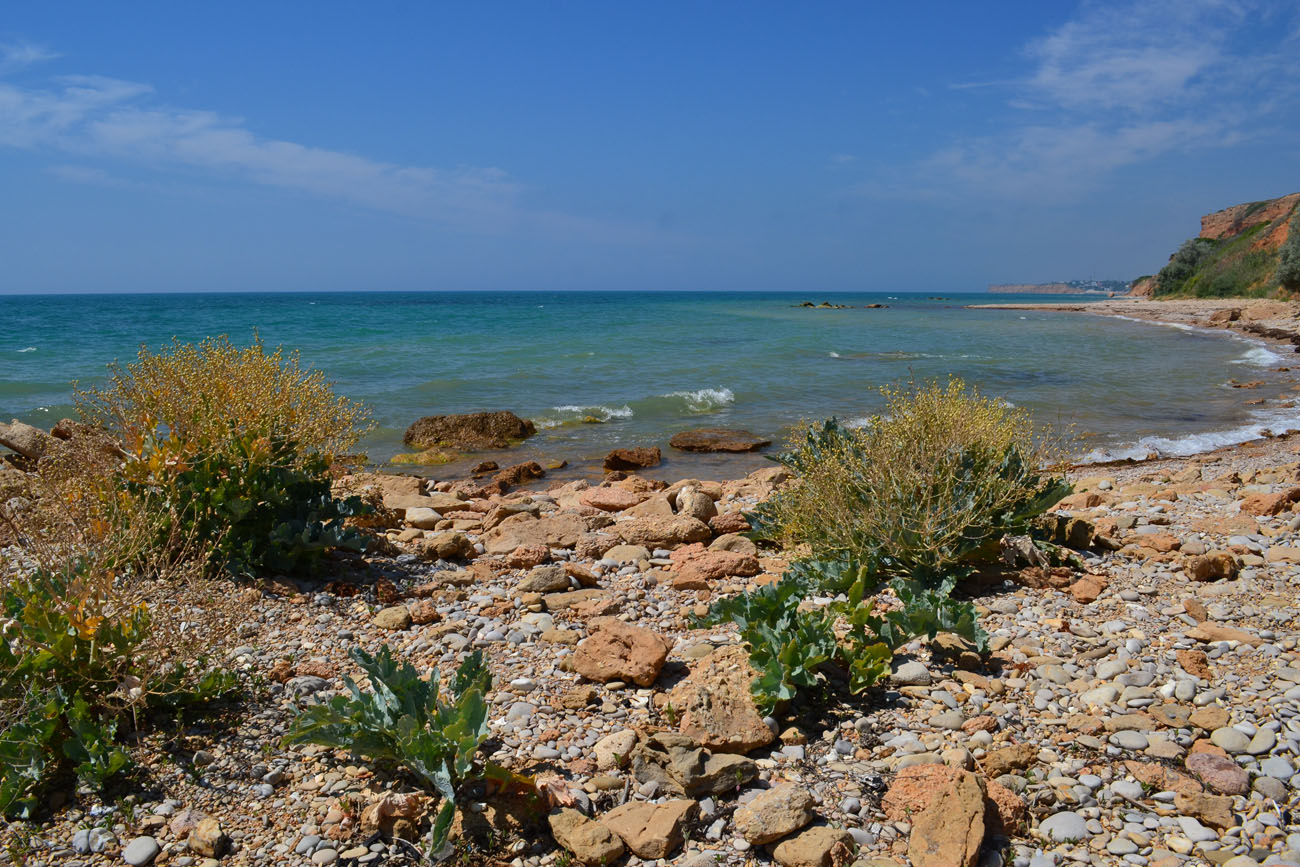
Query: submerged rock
point(475, 430)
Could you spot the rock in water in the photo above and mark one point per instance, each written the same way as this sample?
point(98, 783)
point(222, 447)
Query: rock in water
point(717, 439)
point(617, 651)
point(475, 430)
point(633, 459)
point(948, 833)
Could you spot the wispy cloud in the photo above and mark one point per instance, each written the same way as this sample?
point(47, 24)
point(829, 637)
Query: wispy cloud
point(96, 118)
point(17, 55)
point(1117, 85)
point(85, 175)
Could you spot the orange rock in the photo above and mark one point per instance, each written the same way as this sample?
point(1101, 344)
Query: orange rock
point(1269, 504)
point(1087, 589)
point(1195, 663)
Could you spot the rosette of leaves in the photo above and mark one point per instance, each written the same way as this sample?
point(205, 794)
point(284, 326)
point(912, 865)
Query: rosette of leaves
point(407, 720)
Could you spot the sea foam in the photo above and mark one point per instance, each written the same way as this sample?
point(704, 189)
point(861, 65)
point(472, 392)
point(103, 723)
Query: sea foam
point(705, 399)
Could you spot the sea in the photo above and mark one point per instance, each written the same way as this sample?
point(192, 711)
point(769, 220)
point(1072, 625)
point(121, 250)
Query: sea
point(599, 370)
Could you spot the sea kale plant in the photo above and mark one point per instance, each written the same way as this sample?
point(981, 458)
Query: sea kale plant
point(404, 719)
point(912, 503)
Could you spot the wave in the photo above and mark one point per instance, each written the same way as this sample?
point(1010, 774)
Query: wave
point(1259, 356)
point(27, 349)
point(569, 414)
point(835, 354)
point(704, 399)
point(1267, 423)
point(891, 355)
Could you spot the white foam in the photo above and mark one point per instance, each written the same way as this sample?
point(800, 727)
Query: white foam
point(1267, 423)
point(574, 412)
point(705, 399)
point(1259, 356)
point(835, 354)
point(28, 349)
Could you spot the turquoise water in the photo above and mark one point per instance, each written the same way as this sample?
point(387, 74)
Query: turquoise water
point(651, 364)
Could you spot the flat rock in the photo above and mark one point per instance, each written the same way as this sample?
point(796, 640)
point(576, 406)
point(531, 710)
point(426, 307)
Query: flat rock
point(1222, 775)
point(663, 532)
point(633, 458)
point(717, 439)
point(474, 430)
point(30, 442)
point(819, 846)
point(591, 842)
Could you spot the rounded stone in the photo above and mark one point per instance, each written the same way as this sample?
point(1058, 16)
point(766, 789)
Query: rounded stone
point(141, 851)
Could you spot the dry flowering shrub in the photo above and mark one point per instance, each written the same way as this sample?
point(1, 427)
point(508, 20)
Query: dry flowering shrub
point(214, 391)
point(938, 475)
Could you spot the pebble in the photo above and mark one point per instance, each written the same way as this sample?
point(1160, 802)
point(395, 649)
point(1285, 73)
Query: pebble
point(141, 851)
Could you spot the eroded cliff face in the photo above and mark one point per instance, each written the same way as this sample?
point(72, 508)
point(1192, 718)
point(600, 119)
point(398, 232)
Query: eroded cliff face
point(1231, 222)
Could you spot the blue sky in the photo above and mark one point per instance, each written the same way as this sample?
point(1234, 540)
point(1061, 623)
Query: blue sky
point(690, 146)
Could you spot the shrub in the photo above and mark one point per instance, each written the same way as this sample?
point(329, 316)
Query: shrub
point(82, 654)
point(1288, 262)
point(1183, 265)
point(214, 391)
point(404, 720)
point(236, 443)
point(931, 483)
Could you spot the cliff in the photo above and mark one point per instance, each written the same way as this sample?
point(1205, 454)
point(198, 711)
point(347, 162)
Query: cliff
point(1237, 253)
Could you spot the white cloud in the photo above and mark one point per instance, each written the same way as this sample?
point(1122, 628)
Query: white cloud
point(1119, 84)
point(77, 174)
point(17, 55)
point(97, 118)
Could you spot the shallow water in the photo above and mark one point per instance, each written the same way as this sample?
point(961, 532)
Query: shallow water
point(651, 364)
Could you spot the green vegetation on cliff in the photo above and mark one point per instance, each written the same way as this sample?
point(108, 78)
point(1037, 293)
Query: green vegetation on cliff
point(1240, 252)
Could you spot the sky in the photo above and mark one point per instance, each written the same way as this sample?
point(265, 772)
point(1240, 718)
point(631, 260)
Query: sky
point(836, 146)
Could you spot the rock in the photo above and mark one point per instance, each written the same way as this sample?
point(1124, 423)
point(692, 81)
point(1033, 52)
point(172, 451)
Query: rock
point(1269, 504)
point(30, 442)
point(609, 499)
point(469, 431)
point(1229, 740)
point(141, 851)
point(437, 501)
point(1213, 810)
point(1212, 566)
point(1064, 827)
point(423, 611)
point(519, 530)
point(650, 830)
point(717, 710)
point(717, 439)
point(614, 750)
point(1009, 759)
point(617, 651)
point(910, 673)
point(948, 832)
point(393, 617)
point(663, 532)
point(447, 546)
point(1212, 632)
point(914, 789)
point(422, 518)
point(208, 839)
point(628, 553)
point(776, 813)
point(518, 474)
point(1209, 718)
point(696, 504)
point(633, 459)
point(821, 846)
point(704, 773)
point(714, 565)
point(592, 843)
point(527, 556)
point(729, 522)
point(733, 543)
point(544, 579)
point(385, 814)
point(1222, 775)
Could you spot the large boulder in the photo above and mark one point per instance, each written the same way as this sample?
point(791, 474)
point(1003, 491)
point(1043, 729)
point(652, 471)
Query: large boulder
point(633, 459)
point(553, 531)
point(474, 430)
point(617, 651)
point(717, 439)
point(948, 832)
point(663, 532)
point(651, 830)
point(591, 842)
point(818, 846)
point(717, 710)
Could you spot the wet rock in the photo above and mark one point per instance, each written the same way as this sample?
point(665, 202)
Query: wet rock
point(717, 440)
point(633, 458)
point(469, 431)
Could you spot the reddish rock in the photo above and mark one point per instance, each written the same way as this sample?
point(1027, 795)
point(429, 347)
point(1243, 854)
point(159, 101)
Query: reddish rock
point(1087, 589)
point(1221, 774)
point(1161, 778)
point(729, 522)
point(633, 459)
point(663, 532)
point(315, 668)
point(949, 832)
point(528, 556)
point(617, 651)
point(713, 565)
point(476, 430)
point(1195, 663)
point(1269, 504)
point(1212, 566)
point(609, 499)
point(1212, 632)
point(423, 611)
point(519, 473)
